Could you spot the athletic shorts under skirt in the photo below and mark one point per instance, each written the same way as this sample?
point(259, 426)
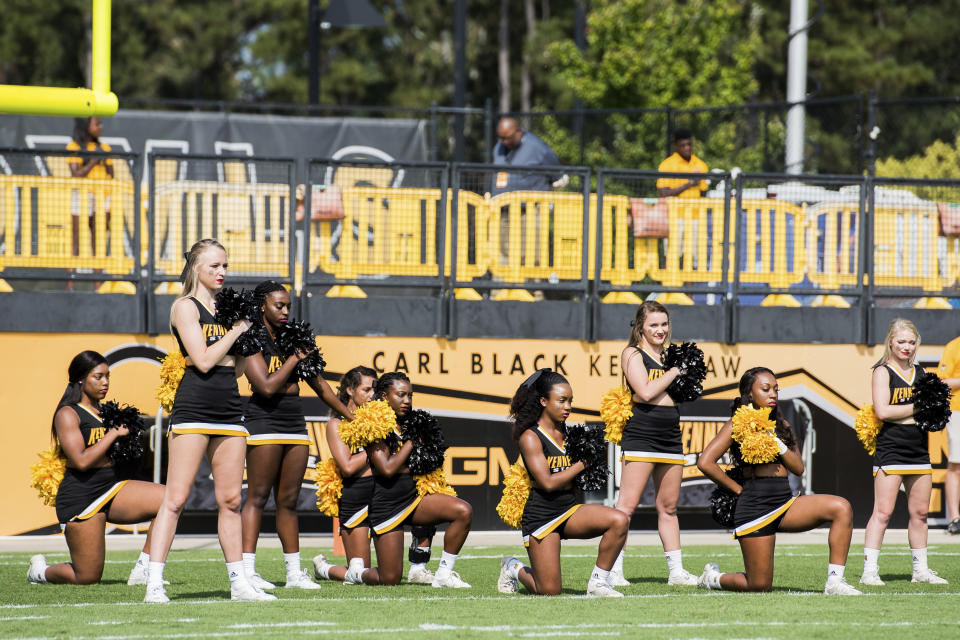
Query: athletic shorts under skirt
point(355, 501)
point(902, 449)
point(82, 494)
point(275, 420)
point(761, 506)
point(394, 500)
point(653, 435)
point(208, 403)
point(546, 512)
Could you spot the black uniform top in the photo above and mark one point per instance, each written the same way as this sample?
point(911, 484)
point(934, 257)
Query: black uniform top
point(212, 330)
point(557, 458)
point(91, 426)
point(901, 389)
point(654, 364)
point(274, 359)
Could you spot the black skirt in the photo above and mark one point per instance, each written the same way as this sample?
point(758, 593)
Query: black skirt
point(208, 403)
point(275, 420)
point(546, 512)
point(355, 501)
point(902, 449)
point(653, 435)
point(393, 501)
point(83, 494)
point(761, 506)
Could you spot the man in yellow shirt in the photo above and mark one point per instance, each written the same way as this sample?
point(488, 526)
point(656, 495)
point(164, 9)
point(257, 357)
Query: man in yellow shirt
point(682, 161)
point(949, 371)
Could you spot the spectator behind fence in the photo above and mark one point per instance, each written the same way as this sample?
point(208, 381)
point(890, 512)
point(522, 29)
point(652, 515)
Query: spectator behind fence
point(682, 161)
point(520, 148)
point(86, 137)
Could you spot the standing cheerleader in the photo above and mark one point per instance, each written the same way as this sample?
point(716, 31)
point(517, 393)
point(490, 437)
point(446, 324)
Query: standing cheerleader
point(651, 441)
point(766, 504)
point(396, 503)
point(278, 444)
point(552, 512)
point(207, 418)
point(92, 491)
point(356, 389)
point(902, 455)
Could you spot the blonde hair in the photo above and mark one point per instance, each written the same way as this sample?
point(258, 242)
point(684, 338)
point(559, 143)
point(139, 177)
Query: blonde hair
point(898, 324)
point(645, 309)
point(190, 280)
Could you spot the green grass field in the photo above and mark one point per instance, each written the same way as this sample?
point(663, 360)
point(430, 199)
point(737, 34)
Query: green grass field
point(201, 607)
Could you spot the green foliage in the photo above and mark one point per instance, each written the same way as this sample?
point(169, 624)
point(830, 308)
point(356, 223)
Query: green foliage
point(939, 160)
point(41, 43)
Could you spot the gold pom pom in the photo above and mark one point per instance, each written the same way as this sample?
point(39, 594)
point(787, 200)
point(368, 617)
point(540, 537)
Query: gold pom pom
point(616, 408)
point(434, 482)
point(171, 372)
point(46, 475)
point(516, 490)
point(329, 487)
point(755, 432)
point(373, 421)
point(867, 425)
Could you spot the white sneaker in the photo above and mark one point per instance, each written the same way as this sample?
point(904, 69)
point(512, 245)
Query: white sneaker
point(242, 590)
point(616, 579)
point(710, 571)
point(927, 575)
point(839, 587)
point(320, 567)
point(38, 565)
point(156, 594)
point(138, 575)
point(300, 580)
point(601, 589)
point(682, 578)
point(449, 579)
point(420, 576)
point(507, 583)
point(257, 581)
point(871, 579)
point(354, 575)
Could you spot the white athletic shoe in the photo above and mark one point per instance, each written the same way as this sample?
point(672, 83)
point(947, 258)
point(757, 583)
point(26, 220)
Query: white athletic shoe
point(420, 576)
point(242, 590)
point(321, 567)
point(354, 575)
point(871, 579)
point(138, 575)
point(449, 579)
point(257, 581)
point(616, 579)
point(507, 583)
point(300, 580)
point(927, 575)
point(156, 594)
point(682, 578)
point(839, 587)
point(710, 571)
point(38, 565)
point(601, 589)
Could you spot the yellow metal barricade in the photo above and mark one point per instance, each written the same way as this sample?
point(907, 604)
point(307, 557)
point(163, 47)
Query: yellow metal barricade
point(474, 250)
point(772, 237)
point(38, 216)
point(832, 240)
point(693, 250)
point(905, 249)
point(617, 242)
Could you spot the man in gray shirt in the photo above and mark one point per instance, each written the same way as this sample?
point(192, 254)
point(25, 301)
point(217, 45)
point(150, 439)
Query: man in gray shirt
point(521, 148)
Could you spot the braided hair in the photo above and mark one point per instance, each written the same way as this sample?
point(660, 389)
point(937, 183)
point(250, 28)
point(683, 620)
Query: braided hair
point(386, 381)
point(525, 407)
point(783, 430)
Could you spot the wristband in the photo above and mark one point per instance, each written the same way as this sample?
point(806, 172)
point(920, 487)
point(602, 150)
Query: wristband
point(781, 447)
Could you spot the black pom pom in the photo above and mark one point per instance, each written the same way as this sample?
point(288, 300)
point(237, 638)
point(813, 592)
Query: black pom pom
point(585, 444)
point(687, 356)
point(233, 305)
point(298, 336)
point(125, 452)
point(931, 402)
point(723, 503)
point(428, 445)
point(251, 341)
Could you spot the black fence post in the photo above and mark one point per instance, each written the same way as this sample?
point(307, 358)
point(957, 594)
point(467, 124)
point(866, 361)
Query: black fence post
point(291, 226)
point(488, 126)
point(305, 243)
point(597, 260)
point(867, 208)
point(873, 132)
point(150, 164)
point(451, 332)
point(433, 142)
point(728, 300)
point(733, 295)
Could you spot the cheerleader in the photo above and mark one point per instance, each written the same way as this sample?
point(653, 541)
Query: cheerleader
point(651, 442)
point(552, 512)
point(207, 418)
point(902, 455)
point(278, 444)
point(356, 389)
point(396, 503)
point(766, 504)
point(92, 491)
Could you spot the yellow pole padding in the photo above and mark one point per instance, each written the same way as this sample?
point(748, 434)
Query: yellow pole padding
point(100, 58)
point(56, 101)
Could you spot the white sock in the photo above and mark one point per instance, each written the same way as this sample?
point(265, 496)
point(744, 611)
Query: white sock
point(155, 573)
point(418, 566)
point(235, 571)
point(835, 572)
point(292, 562)
point(143, 560)
point(919, 559)
point(514, 569)
point(713, 582)
point(674, 561)
point(870, 559)
point(249, 563)
point(599, 574)
point(447, 560)
point(618, 564)
point(355, 562)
